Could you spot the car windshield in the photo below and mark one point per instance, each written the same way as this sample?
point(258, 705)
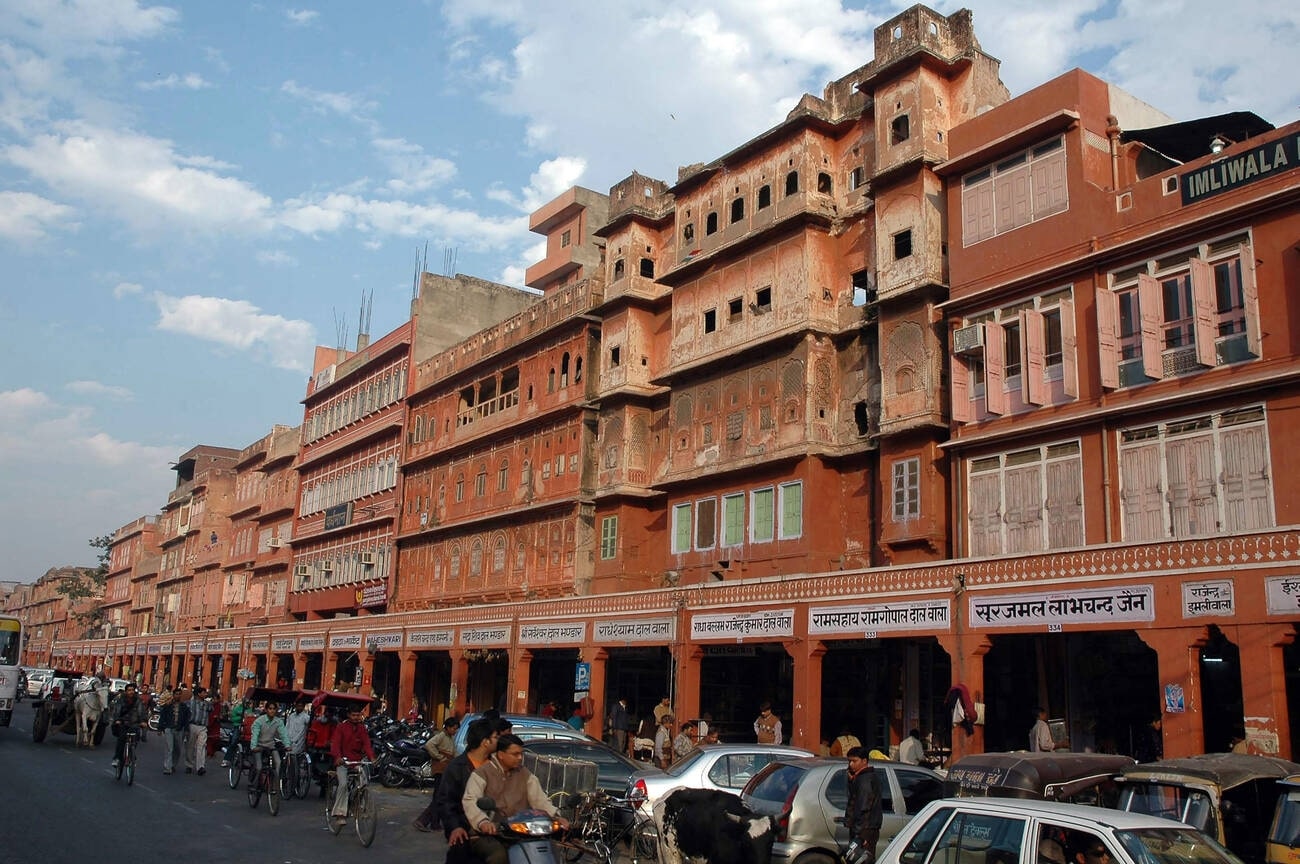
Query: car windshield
point(1173, 846)
point(1286, 822)
point(679, 768)
point(1178, 803)
point(775, 783)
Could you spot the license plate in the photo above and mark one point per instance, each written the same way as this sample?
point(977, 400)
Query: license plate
point(6, 704)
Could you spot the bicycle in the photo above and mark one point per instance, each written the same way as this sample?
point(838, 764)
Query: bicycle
point(127, 765)
point(602, 823)
point(361, 806)
point(240, 762)
point(296, 777)
point(266, 782)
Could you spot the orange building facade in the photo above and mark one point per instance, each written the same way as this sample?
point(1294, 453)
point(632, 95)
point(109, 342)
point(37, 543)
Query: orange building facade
point(926, 386)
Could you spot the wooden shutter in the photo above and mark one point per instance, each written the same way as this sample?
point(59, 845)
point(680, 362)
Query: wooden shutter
point(1024, 494)
point(1108, 353)
point(1250, 296)
point(1206, 312)
point(1141, 496)
point(959, 387)
point(1032, 388)
point(1247, 490)
point(1151, 309)
point(791, 510)
point(1064, 503)
point(1193, 509)
point(995, 368)
point(977, 212)
point(1011, 198)
point(985, 515)
point(1069, 351)
point(682, 528)
point(1050, 190)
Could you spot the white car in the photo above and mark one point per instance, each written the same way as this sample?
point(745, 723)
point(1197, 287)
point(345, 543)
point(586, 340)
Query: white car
point(709, 766)
point(1013, 831)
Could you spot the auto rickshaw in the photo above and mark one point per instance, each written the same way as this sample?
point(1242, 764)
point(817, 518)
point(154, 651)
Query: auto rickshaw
point(1076, 778)
point(1284, 835)
point(1229, 796)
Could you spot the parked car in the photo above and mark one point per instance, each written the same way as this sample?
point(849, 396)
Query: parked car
point(36, 679)
point(1076, 778)
point(613, 768)
point(709, 766)
point(1284, 833)
point(1229, 796)
point(807, 797)
point(1015, 831)
point(528, 727)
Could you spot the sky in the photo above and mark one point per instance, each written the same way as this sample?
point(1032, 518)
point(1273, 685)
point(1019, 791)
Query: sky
point(194, 194)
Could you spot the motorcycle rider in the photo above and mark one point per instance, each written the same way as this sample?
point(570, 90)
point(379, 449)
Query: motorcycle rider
point(512, 787)
point(128, 711)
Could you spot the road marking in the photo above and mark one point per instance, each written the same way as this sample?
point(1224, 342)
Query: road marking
point(186, 808)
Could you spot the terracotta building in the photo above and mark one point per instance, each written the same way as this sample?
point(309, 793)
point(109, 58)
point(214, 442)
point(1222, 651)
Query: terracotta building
point(923, 389)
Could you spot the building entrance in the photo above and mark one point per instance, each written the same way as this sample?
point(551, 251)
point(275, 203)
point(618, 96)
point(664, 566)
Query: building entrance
point(643, 675)
point(881, 689)
point(432, 684)
point(311, 675)
point(385, 680)
point(550, 679)
point(487, 679)
point(1104, 686)
point(735, 680)
point(1223, 714)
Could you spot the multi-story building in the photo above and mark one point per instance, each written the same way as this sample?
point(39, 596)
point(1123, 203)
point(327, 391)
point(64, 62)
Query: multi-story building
point(924, 391)
point(49, 618)
point(498, 473)
point(132, 551)
point(1124, 368)
point(348, 469)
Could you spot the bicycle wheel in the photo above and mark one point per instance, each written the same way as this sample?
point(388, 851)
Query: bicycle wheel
point(255, 789)
point(128, 760)
point(367, 818)
point(302, 776)
point(121, 764)
point(288, 780)
point(645, 843)
point(331, 787)
point(273, 796)
point(236, 767)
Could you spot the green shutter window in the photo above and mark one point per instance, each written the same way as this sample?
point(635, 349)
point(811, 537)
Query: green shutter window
point(791, 510)
point(608, 537)
point(763, 521)
point(733, 520)
point(682, 528)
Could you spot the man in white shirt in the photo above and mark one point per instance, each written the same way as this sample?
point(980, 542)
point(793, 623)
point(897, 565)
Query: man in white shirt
point(1040, 736)
point(912, 750)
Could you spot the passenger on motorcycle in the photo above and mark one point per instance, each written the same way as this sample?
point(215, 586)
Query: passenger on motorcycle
point(505, 780)
point(128, 711)
point(268, 735)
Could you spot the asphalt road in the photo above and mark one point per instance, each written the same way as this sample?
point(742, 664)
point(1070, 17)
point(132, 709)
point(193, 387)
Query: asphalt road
point(62, 805)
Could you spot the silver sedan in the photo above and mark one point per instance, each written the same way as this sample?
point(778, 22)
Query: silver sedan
point(709, 766)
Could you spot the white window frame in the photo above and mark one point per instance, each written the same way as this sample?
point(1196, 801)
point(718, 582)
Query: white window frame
point(784, 531)
point(906, 492)
point(755, 525)
point(682, 513)
point(608, 538)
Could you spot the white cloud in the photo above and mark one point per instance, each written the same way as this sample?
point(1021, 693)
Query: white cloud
point(124, 289)
point(24, 216)
point(326, 102)
point(550, 179)
point(141, 180)
point(73, 28)
point(189, 81)
point(96, 388)
point(416, 170)
point(34, 427)
point(277, 257)
point(301, 17)
point(436, 222)
point(238, 324)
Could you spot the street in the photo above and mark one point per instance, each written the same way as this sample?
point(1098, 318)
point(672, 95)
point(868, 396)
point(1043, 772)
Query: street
point(62, 805)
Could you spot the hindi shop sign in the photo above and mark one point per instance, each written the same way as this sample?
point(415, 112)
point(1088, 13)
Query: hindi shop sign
point(1083, 606)
point(1283, 595)
point(372, 595)
point(553, 634)
point(873, 618)
point(345, 640)
point(311, 643)
point(742, 625)
point(480, 637)
point(1241, 169)
point(1211, 597)
point(634, 630)
point(431, 638)
point(284, 644)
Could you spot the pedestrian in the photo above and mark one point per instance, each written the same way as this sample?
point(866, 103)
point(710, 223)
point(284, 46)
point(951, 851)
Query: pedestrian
point(767, 726)
point(664, 707)
point(912, 750)
point(445, 808)
point(1149, 745)
point(618, 725)
point(1040, 735)
point(663, 748)
point(863, 813)
point(173, 723)
point(576, 720)
point(704, 725)
point(196, 750)
point(686, 739)
point(844, 743)
point(296, 723)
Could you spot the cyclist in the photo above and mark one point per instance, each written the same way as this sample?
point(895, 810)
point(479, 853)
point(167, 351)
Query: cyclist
point(351, 743)
point(268, 734)
point(128, 711)
point(295, 725)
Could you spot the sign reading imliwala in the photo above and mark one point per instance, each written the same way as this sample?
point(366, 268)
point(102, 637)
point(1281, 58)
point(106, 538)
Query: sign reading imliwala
point(1240, 169)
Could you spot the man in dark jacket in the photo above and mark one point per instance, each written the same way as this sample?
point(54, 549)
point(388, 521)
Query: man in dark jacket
point(480, 744)
point(173, 723)
point(862, 812)
point(128, 711)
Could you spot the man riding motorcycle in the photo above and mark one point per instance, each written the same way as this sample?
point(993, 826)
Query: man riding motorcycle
point(512, 787)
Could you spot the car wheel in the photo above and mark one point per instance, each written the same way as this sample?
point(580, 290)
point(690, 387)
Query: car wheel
point(816, 858)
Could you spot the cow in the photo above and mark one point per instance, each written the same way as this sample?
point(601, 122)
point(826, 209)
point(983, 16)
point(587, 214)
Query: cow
point(712, 827)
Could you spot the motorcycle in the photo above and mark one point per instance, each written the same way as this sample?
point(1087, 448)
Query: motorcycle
point(406, 773)
point(528, 834)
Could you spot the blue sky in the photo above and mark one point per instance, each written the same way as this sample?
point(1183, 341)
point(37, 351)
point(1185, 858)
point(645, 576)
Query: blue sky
point(192, 195)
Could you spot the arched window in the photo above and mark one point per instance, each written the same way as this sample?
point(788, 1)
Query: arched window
point(460, 487)
point(503, 475)
point(564, 370)
point(476, 558)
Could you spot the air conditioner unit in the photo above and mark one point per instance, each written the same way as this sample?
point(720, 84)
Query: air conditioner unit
point(274, 543)
point(368, 559)
point(968, 340)
point(326, 567)
point(302, 570)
